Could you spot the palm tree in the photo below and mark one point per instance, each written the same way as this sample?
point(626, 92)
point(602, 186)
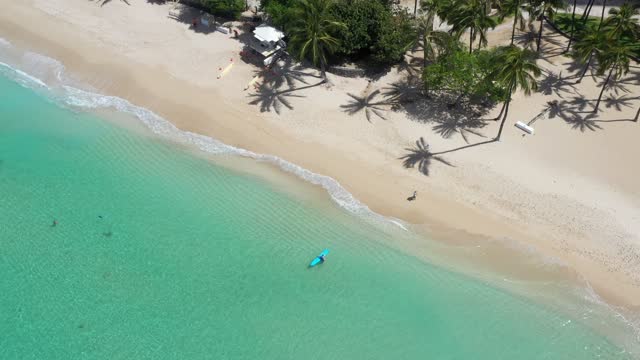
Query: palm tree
point(311, 32)
point(587, 11)
point(515, 68)
point(513, 7)
point(604, 6)
point(623, 21)
point(573, 19)
point(590, 41)
point(541, 8)
point(615, 57)
point(472, 15)
point(431, 39)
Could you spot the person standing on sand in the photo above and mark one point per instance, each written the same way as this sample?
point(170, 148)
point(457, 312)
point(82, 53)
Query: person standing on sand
point(412, 197)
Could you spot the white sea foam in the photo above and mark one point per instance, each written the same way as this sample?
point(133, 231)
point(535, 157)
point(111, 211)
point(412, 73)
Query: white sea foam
point(22, 77)
point(72, 96)
point(85, 99)
point(4, 43)
point(42, 66)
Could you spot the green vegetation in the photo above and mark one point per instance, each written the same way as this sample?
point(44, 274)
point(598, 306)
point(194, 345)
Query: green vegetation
point(612, 43)
point(539, 9)
point(226, 8)
point(323, 31)
point(472, 15)
point(512, 8)
point(395, 39)
point(371, 29)
point(311, 32)
point(514, 68)
point(463, 73)
point(563, 22)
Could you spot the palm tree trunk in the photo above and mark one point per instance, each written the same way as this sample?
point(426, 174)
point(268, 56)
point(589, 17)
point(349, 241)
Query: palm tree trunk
point(604, 3)
point(515, 20)
point(604, 86)
point(415, 8)
point(323, 72)
point(504, 118)
point(540, 33)
point(586, 67)
point(587, 12)
point(584, 13)
point(455, 103)
point(504, 104)
point(471, 41)
point(424, 50)
point(573, 19)
point(463, 147)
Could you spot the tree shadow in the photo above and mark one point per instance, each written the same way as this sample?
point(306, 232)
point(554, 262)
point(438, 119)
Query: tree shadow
point(619, 102)
point(555, 84)
point(404, 91)
point(551, 110)
point(411, 65)
point(575, 112)
point(573, 67)
point(421, 157)
point(553, 38)
point(527, 38)
point(104, 2)
point(269, 97)
point(367, 104)
point(462, 126)
point(551, 46)
point(633, 78)
point(583, 123)
point(286, 72)
point(446, 112)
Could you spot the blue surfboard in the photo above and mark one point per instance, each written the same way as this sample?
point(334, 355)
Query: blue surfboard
point(318, 259)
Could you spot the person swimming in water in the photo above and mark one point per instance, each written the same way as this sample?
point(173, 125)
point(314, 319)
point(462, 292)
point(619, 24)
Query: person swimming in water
point(55, 222)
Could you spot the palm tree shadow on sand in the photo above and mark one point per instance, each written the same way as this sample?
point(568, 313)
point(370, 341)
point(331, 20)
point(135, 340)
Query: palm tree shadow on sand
point(367, 104)
point(421, 155)
point(269, 97)
point(403, 92)
point(555, 84)
point(448, 113)
point(104, 2)
point(288, 73)
point(577, 112)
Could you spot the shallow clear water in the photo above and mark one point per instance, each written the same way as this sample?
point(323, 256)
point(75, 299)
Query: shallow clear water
point(159, 254)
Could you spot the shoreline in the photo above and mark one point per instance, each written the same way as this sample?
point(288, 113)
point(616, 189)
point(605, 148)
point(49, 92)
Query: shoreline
point(186, 109)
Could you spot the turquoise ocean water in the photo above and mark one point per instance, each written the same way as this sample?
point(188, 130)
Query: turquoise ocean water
point(160, 254)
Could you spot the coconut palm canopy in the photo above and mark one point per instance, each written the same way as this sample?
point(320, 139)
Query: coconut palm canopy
point(311, 33)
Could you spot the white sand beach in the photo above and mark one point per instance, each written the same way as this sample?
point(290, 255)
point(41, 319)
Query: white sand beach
point(569, 192)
